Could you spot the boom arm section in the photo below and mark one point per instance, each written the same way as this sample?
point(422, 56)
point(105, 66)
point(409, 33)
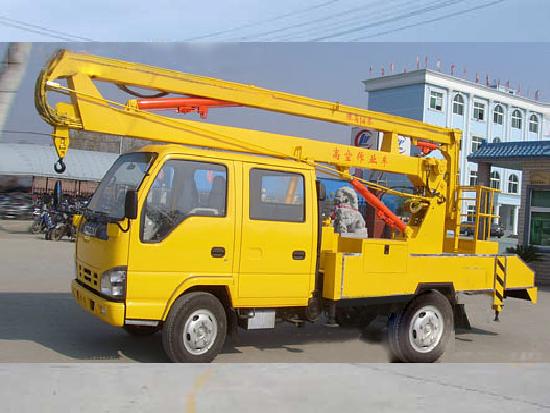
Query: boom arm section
point(89, 110)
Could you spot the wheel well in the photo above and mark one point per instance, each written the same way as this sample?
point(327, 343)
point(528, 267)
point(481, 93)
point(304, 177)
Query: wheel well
point(221, 293)
point(447, 289)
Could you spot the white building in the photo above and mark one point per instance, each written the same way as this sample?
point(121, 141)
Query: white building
point(484, 113)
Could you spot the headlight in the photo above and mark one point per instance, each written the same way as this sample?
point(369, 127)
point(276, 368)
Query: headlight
point(113, 282)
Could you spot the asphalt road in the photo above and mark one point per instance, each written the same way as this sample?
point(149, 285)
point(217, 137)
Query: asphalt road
point(275, 388)
point(40, 322)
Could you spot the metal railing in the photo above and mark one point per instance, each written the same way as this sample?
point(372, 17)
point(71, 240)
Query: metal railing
point(481, 218)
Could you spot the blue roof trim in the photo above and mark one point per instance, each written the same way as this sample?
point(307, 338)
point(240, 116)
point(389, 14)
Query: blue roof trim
point(511, 150)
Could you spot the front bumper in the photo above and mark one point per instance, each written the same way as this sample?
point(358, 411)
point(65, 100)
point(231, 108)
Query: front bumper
point(108, 311)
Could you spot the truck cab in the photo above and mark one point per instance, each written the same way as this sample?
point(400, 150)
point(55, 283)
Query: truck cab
point(243, 227)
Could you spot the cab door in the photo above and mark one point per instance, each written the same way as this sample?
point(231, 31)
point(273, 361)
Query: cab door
point(186, 231)
point(278, 238)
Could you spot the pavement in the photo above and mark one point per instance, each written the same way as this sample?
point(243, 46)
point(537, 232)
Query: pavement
point(302, 369)
point(274, 388)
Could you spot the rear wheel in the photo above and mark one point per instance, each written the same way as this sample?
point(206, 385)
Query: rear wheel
point(195, 328)
point(421, 332)
point(57, 233)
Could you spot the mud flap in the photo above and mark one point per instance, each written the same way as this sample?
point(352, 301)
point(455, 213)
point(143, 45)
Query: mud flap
point(460, 317)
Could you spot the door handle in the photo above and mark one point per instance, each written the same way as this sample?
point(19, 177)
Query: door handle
point(298, 255)
point(217, 252)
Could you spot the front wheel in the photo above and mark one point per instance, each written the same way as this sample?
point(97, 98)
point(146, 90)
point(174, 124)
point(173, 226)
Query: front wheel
point(195, 329)
point(36, 227)
point(421, 332)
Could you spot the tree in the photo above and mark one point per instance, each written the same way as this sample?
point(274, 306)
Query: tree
point(12, 70)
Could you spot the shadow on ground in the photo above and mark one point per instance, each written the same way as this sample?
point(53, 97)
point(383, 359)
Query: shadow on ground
point(56, 322)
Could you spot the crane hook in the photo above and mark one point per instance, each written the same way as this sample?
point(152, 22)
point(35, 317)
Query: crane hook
point(59, 166)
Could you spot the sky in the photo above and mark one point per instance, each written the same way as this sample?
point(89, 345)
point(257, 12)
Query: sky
point(328, 71)
point(281, 20)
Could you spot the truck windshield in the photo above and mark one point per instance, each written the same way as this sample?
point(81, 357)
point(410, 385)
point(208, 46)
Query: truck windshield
point(126, 174)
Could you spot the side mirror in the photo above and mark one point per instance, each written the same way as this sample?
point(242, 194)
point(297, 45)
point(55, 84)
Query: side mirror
point(321, 191)
point(130, 205)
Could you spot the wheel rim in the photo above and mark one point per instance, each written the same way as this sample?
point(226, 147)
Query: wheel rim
point(200, 332)
point(426, 329)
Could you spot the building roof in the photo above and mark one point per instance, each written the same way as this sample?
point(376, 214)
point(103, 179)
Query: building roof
point(422, 76)
point(37, 160)
point(513, 155)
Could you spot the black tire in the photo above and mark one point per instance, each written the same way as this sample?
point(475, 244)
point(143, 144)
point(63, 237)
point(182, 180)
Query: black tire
point(141, 331)
point(36, 228)
point(401, 328)
point(176, 345)
point(57, 233)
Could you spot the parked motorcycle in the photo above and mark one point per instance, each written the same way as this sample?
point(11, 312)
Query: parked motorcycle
point(63, 227)
point(51, 223)
point(40, 221)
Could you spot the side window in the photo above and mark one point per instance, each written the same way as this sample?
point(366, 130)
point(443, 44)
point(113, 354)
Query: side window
point(276, 196)
point(182, 189)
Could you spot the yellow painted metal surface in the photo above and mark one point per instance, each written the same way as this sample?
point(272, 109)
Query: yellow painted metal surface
point(267, 268)
point(108, 311)
point(258, 269)
point(66, 64)
point(94, 255)
point(386, 268)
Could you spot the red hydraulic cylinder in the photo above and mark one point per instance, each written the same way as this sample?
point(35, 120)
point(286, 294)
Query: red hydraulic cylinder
point(382, 210)
point(426, 147)
point(184, 105)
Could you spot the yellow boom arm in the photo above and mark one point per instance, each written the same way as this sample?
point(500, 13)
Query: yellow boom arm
point(88, 109)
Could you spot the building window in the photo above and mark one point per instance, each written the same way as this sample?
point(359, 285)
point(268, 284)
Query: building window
point(513, 184)
point(276, 196)
point(471, 211)
point(473, 178)
point(498, 115)
point(534, 124)
point(539, 228)
point(436, 100)
point(496, 140)
point(458, 105)
point(516, 119)
point(495, 180)
point(479, 111)
point(476, 142)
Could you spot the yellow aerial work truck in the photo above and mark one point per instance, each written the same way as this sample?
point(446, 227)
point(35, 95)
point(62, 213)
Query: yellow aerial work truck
point(220, 227)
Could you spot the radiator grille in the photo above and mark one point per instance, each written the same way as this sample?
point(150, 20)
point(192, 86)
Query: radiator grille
point(88, 277)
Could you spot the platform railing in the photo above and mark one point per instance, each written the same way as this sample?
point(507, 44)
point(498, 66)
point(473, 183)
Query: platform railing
point(481, 218)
